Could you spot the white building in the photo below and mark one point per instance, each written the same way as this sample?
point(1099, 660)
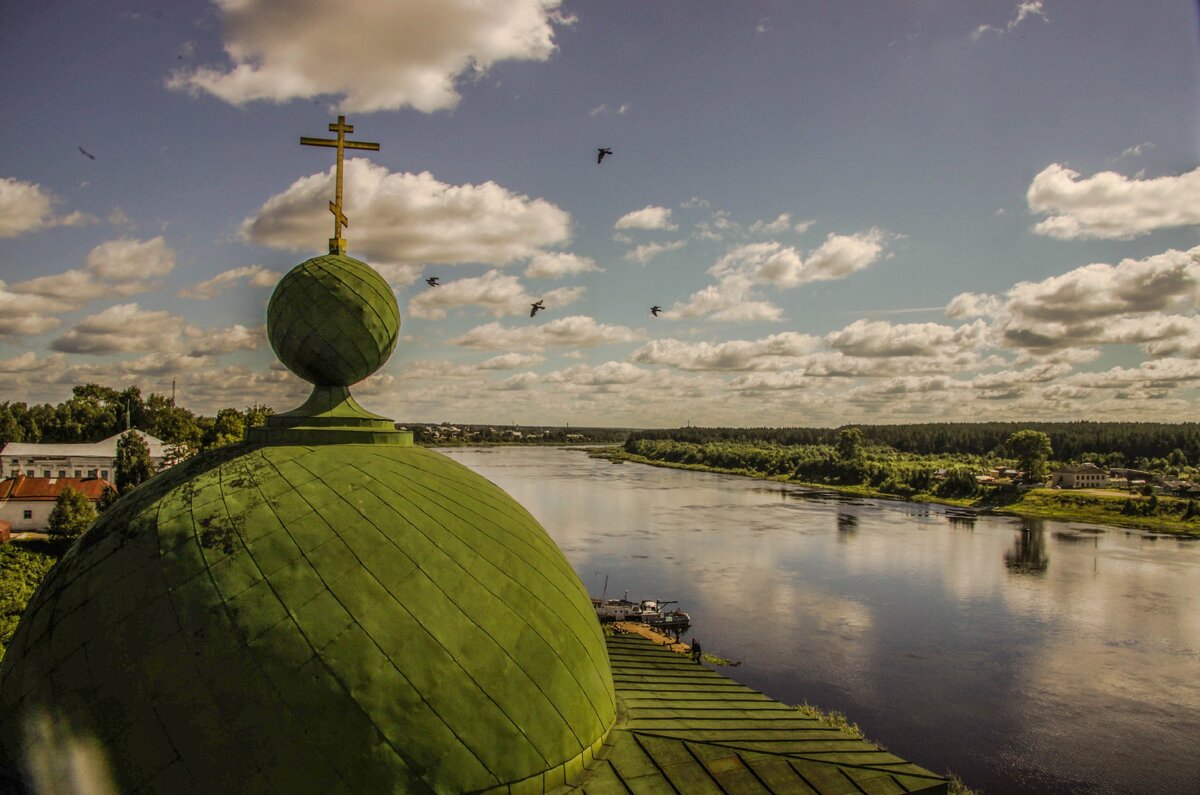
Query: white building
point(96, 460)
point(26, 503)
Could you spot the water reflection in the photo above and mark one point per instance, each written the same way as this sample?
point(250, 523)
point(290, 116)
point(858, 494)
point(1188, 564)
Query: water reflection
point(1086, 671)
point(1028, 553)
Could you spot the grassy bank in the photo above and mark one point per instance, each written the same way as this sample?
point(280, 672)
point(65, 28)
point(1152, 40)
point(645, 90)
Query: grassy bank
point(1153, 514)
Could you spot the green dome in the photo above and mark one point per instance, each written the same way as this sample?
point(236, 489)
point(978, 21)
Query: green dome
point(333, 320)
point(335, 618)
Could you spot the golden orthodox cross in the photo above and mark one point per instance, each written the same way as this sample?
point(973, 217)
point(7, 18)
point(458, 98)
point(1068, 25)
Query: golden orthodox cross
point(337, 245)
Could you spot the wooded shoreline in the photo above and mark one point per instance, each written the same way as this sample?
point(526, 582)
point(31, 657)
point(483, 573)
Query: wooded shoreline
point(1039, 503)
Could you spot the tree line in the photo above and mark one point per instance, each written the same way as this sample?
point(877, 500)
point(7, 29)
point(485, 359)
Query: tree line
point(1109, 443)
point(95, 412)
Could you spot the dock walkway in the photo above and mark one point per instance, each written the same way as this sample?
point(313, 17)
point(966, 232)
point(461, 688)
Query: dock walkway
point(684, 728)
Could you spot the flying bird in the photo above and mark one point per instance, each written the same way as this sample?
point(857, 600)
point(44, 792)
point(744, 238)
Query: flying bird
point(432, 281)
point(533, 308)
point(654, 310)
point(86, 153)
point(601, 152)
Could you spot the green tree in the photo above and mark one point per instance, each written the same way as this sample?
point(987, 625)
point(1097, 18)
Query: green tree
point(73, 513)
point(107, 497)
point(10, 429)
point(1031, 449)
point(133, 461)
point(229, 427)
point(849, 444)
point(1177, 458)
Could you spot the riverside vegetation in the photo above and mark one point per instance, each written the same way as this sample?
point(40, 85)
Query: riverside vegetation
point(900, 462)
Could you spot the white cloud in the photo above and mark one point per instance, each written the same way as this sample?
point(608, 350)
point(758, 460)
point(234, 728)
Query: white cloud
point(576, 331)
point(973, 305)
point(115, 268)
point(607, 374)
point(838, 257)
point(728, 301)
point(372, 54)
point(410, 219)
point(511, 361)
point(781, 224)
point(649, 217)
point(1110, 205)
point(878, 338)
point(30, 362)
point(555, 265)
point(498, 293)
point(27, 207)
point(129, 260)
point(127, 328)
point(1128, 303)
point(123, 328)
point(254, 275)
point(776, 352)
point(648, 251)
point(1025, 9)
point(603, 109)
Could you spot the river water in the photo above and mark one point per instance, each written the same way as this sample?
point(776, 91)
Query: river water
point(1025, 656)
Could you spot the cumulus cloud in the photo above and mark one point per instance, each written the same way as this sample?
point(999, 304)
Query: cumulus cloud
point(389, 53)
point(115, 268)
point(406, 219)
point(27, 207)
point(648, 251)
point(776, 352)
point(254, 275)
point(123, 328)
point(649, 217)
point(838, 257)
point(497, 293)
point(555, 265)
point(511, 361)
point(1110, 205)
point(1025, 9)
point(878, 338)
point(1151, 301)
point(127, 328)
point(782, 223)
point(729, 301)
point(576, 331)
point(607, 374)
point(740, 271)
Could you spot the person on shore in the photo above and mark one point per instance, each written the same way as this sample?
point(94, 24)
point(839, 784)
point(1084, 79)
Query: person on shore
point(696, 652)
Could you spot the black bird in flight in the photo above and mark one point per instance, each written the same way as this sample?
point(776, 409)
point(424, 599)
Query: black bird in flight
point(654, 310)
point(601, 152)
point(86, 153)
point(432, 281)
point(533, 308)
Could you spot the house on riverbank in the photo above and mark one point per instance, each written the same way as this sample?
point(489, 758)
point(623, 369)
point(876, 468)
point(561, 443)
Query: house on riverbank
point(26, 503)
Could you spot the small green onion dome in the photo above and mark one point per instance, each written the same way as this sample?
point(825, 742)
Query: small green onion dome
point(324, 608)
point(333, 320)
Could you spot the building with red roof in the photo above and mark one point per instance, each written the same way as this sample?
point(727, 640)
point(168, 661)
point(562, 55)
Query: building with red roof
point(26, 503)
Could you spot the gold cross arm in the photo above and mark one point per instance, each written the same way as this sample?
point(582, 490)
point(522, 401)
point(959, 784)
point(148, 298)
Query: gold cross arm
point(345, 144)
point(336, 244)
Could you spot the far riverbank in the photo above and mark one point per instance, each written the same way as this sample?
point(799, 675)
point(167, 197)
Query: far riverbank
point(1056, 504)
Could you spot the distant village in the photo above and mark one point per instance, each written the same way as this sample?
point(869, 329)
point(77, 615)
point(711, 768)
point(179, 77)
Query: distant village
point(37, 474)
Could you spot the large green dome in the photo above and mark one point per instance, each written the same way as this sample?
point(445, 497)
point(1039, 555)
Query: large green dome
point(331, 618)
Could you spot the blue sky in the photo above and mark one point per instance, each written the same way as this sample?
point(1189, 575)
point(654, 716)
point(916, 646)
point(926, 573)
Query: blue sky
point(850, 211)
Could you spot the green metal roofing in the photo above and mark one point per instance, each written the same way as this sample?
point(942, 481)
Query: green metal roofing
point(335, 618)
point(684, 728)
point(333, 320)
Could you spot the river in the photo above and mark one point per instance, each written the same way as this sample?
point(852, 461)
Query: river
point(1026, 656)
